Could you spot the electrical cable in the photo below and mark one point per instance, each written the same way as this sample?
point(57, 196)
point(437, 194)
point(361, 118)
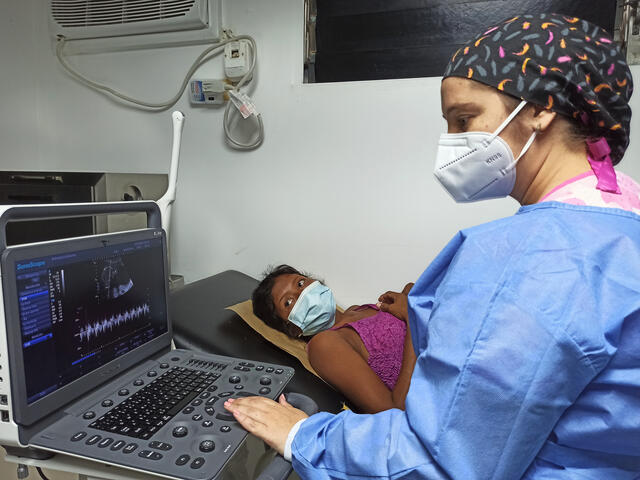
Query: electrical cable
point(204, 57)
point(41, 473)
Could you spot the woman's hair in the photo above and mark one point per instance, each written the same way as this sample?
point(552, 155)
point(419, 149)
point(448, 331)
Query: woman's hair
point(577, 131)
point(263, 306)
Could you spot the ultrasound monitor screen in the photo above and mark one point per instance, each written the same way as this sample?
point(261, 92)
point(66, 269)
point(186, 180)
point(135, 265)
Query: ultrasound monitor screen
point(80, 310)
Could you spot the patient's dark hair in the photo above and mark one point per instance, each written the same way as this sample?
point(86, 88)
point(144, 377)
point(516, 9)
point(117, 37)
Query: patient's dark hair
point(263, 306)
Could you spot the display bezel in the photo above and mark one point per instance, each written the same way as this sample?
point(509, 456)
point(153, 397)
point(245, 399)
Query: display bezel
point(25, 413)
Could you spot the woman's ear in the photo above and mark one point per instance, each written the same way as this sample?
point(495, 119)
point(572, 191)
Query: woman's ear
point(542, 118)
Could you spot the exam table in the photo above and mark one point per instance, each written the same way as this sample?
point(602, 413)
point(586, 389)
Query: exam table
point(201, 322)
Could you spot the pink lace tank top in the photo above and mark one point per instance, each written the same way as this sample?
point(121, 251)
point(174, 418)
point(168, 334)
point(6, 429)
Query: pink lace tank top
point(383, 337)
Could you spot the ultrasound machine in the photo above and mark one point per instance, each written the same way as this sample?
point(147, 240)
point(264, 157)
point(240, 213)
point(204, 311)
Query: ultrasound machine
point(86, 365)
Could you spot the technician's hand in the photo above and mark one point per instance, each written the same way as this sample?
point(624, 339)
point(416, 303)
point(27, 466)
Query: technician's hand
point(271, 421)
point(396, 303)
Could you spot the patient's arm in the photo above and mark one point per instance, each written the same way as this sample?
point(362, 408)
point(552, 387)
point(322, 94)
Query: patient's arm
point(338, 363)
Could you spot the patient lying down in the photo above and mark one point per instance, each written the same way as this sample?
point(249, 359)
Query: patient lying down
point(364, 352)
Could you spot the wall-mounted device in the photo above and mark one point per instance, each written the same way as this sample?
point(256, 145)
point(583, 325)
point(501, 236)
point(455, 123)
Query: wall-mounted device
point(237, 61)
point(95, 26)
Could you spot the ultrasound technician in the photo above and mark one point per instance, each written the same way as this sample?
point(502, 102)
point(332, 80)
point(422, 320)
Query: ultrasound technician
point(527, 329)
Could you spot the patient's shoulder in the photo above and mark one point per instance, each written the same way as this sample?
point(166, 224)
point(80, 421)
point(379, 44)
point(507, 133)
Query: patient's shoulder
point(323, 340)
point(326, 344)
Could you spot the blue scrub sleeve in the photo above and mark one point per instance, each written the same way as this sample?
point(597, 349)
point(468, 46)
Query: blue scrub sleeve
point(352, 446)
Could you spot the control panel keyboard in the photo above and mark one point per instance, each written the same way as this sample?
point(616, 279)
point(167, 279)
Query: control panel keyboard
point(168, 419)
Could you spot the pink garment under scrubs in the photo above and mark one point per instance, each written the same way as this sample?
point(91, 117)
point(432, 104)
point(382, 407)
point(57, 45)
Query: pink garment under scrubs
point(581, 190)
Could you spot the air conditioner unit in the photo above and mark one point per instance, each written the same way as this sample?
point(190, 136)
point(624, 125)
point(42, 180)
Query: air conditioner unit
point(92, 26)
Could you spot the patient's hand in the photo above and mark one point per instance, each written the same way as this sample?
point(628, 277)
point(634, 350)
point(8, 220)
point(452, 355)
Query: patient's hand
point(396, 303)
point(271, 421)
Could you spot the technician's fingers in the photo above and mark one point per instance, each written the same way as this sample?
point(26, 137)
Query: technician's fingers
point(269, 420)
point(256, 405)
point(249, 424)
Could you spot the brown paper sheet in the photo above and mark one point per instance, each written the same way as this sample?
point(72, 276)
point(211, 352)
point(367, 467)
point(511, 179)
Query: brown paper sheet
point(292, 346)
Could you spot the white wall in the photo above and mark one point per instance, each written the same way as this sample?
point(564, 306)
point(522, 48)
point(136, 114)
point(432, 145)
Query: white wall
point(341, 187)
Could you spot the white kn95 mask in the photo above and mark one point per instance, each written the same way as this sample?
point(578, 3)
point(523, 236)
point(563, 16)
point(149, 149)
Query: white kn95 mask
point(474, 166)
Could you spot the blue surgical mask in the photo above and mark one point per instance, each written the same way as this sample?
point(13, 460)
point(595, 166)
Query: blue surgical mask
point(315, 309)
point(475, 166)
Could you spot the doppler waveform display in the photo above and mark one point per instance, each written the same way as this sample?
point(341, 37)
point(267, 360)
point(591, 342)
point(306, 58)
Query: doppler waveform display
point(97, 328)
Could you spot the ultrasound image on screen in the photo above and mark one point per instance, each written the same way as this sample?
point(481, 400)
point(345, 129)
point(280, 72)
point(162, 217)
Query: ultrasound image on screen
point(80, 310)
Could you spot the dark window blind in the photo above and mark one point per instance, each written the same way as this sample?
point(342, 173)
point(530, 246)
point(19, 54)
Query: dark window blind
point(382, 39)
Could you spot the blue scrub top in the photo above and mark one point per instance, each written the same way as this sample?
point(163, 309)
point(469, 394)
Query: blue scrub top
point(527, 331)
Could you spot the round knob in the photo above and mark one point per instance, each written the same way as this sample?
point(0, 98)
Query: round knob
point(180, 431)
point(207, 446)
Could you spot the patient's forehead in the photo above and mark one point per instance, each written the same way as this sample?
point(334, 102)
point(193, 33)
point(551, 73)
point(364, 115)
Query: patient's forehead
point(283, 284)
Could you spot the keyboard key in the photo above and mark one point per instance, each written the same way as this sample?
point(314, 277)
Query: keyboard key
point(180, 431)
point(269, 369)
point(264, 391)
point(123, 392)
point(207, 446)
point(151, 455)
point(107, 403)
point(207, 423)
point(187, 410)
point(182, 459)
point(118, 445)
point(246, 394)
point(197, 417)
point(160, 446)
point(226, 417)
point(197, 463)
point(225, 428)
point(105, 442)
point(89, 415)
point(93, 439)
point(78, 436)
point(138, 382)
point(130, 448)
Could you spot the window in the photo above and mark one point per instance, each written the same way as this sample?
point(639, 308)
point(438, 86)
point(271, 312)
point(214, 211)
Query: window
point(381, 39)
